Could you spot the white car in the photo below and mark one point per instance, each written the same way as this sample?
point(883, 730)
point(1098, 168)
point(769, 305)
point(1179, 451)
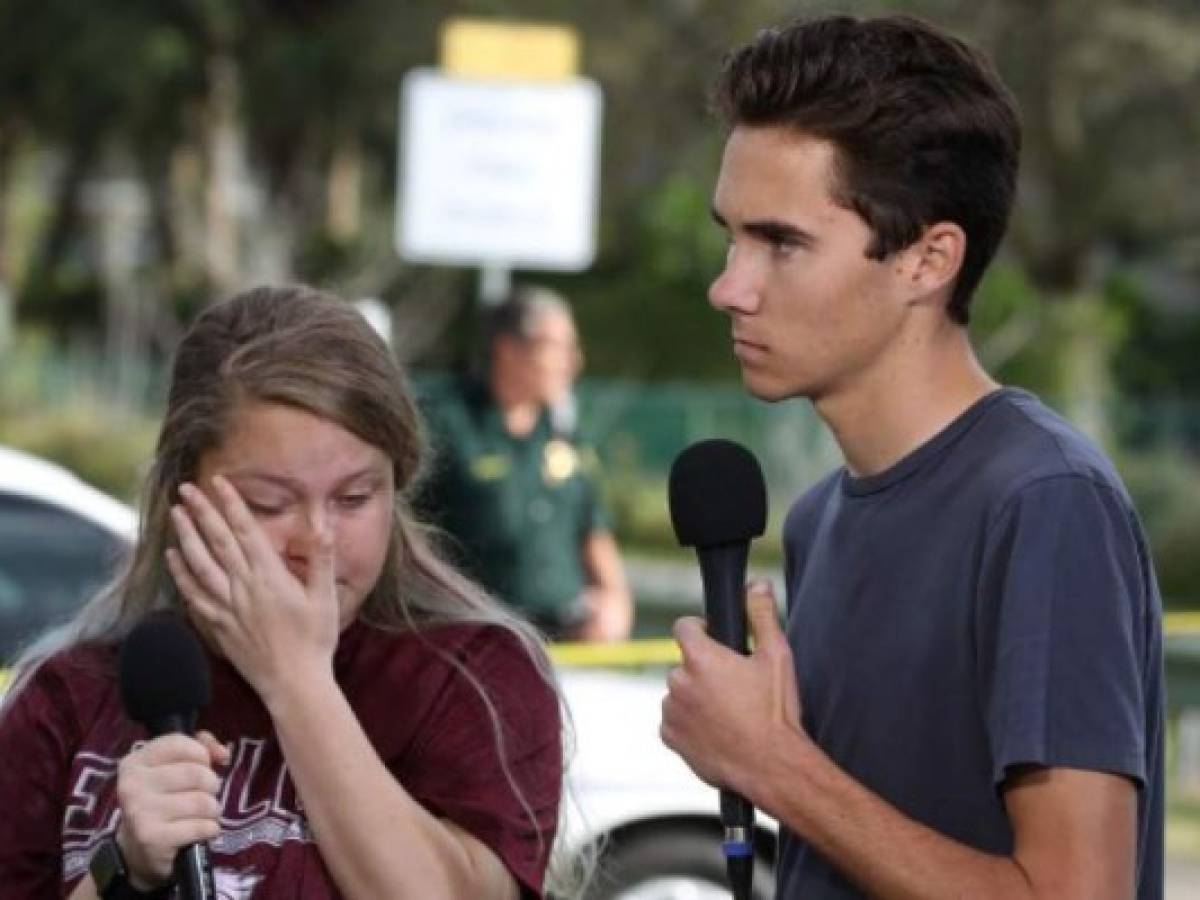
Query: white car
point(654, 822)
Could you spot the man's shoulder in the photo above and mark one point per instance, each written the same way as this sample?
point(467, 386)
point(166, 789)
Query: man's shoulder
point(811, 504)
point(1022, 442)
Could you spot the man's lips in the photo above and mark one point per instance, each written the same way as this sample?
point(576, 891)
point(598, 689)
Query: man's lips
point(741, 342)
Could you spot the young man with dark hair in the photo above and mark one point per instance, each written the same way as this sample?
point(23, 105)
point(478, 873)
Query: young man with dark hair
point(967, 700)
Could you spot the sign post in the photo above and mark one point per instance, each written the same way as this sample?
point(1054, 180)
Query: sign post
point(499, 172)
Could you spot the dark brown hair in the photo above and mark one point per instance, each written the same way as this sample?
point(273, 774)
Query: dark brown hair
point(925, 130)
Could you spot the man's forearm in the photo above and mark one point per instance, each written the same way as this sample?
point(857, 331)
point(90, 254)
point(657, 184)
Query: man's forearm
point(887, 854)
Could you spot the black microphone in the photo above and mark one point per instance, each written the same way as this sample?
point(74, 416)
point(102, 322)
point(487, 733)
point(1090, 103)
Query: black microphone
point(718, 502)
point(164, 685)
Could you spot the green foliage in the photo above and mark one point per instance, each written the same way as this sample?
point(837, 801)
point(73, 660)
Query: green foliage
point(46, 410)
point(1008, 328)
point(637, 503)
point(638, 506)
point(646, 316)
point(1165, 486)
point(323, 259)
point(1159, 358)
point(66, 300)
point(107, 451)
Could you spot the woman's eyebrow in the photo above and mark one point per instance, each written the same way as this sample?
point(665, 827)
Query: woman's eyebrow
point(294, 484)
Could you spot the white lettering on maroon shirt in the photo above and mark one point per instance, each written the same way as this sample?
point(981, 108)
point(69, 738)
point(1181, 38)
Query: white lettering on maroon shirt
point(258, 806)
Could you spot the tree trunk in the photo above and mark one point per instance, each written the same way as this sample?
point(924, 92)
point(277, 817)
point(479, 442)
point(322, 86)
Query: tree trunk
point(186, 208)
point(65, 219)
point(343, 217)
point(223, 148)
point(7, 313)
point(1089, 339)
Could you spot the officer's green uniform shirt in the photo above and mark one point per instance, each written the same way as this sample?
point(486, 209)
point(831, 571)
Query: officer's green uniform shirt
point(518, 508)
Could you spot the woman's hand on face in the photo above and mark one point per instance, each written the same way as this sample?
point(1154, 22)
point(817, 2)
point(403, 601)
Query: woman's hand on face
point(267, 622)
point(167, 790)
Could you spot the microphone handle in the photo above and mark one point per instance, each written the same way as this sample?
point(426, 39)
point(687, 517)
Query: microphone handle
point(192, 871)
point(193, 874)
point(723, 571)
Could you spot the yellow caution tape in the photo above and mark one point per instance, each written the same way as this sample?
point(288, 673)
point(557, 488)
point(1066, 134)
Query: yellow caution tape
point(665, 652)
point(625, 655)
point(1177, 624)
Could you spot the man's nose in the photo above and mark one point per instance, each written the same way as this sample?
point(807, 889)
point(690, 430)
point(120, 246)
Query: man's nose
point(736, 288)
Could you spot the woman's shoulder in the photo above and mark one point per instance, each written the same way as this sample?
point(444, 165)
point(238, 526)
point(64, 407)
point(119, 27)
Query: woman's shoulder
point(432, 658)
point(71, 687)
point(80, 668)
point(475, 644)
point(401, 682)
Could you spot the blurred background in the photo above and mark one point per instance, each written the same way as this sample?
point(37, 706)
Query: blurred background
point(158, 154)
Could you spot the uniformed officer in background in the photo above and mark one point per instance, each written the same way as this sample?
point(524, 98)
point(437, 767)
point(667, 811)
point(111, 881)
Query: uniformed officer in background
point(512, 485)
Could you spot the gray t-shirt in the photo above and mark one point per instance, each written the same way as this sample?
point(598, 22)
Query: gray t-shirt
point(987, 602)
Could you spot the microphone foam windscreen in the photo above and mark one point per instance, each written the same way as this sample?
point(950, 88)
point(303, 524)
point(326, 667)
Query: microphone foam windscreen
point(716, 494)
point(163, 671)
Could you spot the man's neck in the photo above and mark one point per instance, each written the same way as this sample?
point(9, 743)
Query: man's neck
point(905, 400)
point(518, 412)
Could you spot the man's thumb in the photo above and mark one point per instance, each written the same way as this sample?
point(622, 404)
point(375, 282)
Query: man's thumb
point(761, 611)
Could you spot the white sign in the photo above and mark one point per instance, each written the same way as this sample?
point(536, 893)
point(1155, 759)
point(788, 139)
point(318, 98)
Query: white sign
point(498, 172)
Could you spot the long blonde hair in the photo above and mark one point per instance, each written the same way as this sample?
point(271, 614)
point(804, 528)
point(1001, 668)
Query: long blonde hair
point(306, 349)
point(310, 350)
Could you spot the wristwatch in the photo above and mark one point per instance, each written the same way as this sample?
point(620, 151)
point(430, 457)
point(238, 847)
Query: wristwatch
point(112, 877)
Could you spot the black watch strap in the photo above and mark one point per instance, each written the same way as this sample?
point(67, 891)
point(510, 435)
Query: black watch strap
point(112, 877)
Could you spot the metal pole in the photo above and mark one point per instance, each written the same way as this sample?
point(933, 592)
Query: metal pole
point(495, 281)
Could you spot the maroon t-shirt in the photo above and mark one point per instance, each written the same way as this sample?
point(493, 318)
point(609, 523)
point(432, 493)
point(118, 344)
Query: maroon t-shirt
point(64, 734)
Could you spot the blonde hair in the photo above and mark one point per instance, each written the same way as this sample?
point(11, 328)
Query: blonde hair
point(309, 350)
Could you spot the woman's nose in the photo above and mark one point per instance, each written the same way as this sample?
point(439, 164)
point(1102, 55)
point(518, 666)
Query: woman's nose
point(305, 532)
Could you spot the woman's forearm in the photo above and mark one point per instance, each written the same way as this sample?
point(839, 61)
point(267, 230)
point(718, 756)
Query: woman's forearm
point(375, 838)
point(85, 890)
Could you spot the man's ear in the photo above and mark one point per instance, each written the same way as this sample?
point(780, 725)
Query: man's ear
point(932, 263)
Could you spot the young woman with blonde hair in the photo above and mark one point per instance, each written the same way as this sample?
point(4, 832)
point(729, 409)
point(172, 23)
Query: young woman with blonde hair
point(379, 726)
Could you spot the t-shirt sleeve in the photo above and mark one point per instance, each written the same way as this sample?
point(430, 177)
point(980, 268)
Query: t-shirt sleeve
point(35, 753)
point(1061, 631)
point(506, 793)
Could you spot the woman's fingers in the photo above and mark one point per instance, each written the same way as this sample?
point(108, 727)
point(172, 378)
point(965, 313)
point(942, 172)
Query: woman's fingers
point(157, 837)
point(169, 748)
point(252, 543)
point(184, 778)
point(321, 579)
point(198, 599)
point(168, 795)
point(209, 577)
point(219, 754)
point(218, 536)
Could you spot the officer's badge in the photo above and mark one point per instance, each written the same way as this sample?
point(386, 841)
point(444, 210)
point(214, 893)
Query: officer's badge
point(559, 461)
point(490, 467)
